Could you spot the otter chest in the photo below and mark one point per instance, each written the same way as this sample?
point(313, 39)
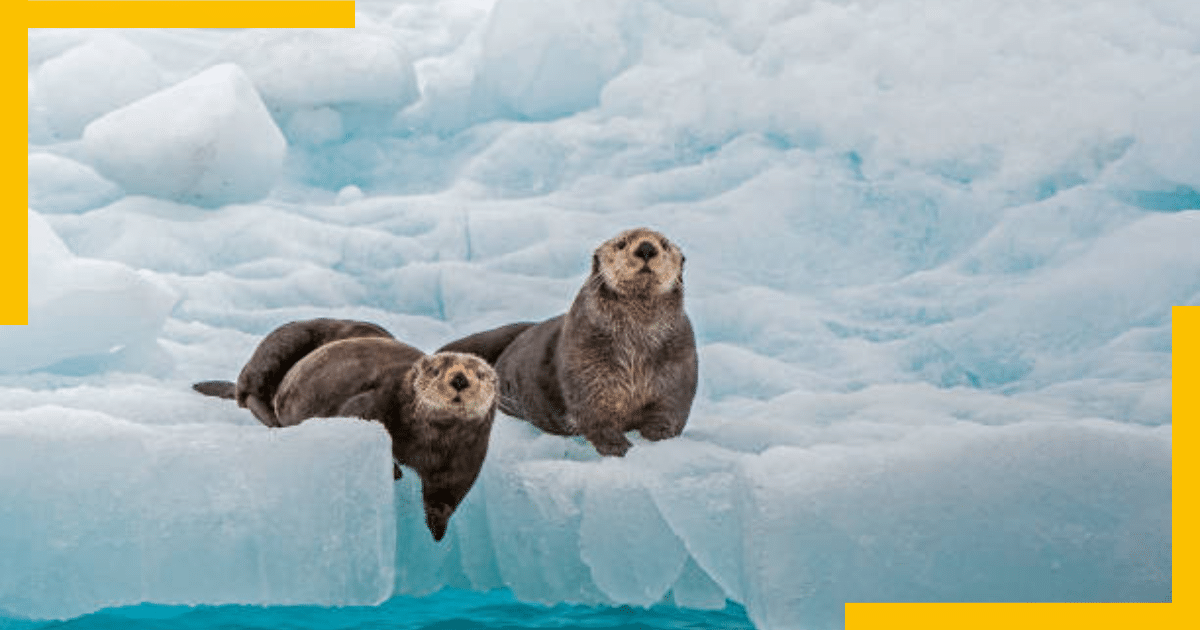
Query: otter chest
point(630, 373)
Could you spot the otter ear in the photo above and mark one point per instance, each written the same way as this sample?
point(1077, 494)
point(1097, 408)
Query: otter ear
point(595, 263)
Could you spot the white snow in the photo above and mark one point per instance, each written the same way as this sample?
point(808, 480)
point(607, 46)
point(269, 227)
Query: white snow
point(207, 140)
point(931, 253)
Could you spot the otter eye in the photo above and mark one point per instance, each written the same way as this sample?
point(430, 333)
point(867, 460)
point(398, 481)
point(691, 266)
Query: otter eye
point(435, 372)
point(664, 244)
point(622, 245)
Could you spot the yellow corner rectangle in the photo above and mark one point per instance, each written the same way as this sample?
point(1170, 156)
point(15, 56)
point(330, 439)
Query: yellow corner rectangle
point(998, 616)
point(1013, 616)
point(1185, 406)
point(190, 14)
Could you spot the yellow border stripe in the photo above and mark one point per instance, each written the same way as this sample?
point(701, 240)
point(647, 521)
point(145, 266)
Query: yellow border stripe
point(1012, 616)
point(190, 14)
point(1185, 406)
point(14, 230)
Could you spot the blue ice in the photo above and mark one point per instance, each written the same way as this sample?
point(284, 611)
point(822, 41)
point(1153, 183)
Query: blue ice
point(931, 260)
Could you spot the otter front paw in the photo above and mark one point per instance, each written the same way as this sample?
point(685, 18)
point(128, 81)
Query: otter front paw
point(658, 430)
point(615, 445)
point(437, 517)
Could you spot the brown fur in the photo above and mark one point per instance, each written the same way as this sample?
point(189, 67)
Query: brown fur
point(489, 343)
point(622, 358)
point(437, 408)
point(281, 349)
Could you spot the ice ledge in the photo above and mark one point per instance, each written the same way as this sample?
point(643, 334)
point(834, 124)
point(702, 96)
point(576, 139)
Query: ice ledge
point(1033, 511)
point(98, 512)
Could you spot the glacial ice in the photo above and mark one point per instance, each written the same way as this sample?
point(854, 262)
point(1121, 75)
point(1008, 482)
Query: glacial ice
point(324, 83)
point(117, 73)
point(545, 59)
point(82, 310)
point(60, 184)
point(207, 140)
point(956, 511)
point(932, 252)
point(98, 511)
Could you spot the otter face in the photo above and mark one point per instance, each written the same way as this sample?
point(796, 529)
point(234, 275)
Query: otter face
point(639, 262)
point(461, 385)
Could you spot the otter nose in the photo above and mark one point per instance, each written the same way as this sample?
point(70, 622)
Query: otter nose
point(646, 251)
point(459, 382)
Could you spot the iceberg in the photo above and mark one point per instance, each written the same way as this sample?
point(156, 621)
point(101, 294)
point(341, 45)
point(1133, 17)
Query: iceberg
point(932, 255)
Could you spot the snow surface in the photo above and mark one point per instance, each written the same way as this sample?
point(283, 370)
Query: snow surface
point(932, 250)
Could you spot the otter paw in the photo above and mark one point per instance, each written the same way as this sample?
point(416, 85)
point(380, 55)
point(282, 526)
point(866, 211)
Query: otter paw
point(658, 431)
point(437, 517)
point(611, 447)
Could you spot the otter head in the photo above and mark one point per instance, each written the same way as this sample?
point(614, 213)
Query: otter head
point(454, 385)
point(455, 394)
point(639, 263)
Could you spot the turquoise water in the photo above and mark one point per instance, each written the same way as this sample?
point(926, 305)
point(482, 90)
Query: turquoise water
point(446, 610)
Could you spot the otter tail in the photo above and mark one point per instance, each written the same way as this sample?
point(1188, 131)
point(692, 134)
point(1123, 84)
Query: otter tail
point(489, 344)
point(220, 389)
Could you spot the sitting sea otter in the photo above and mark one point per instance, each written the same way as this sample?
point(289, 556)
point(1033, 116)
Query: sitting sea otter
point(622, 358)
